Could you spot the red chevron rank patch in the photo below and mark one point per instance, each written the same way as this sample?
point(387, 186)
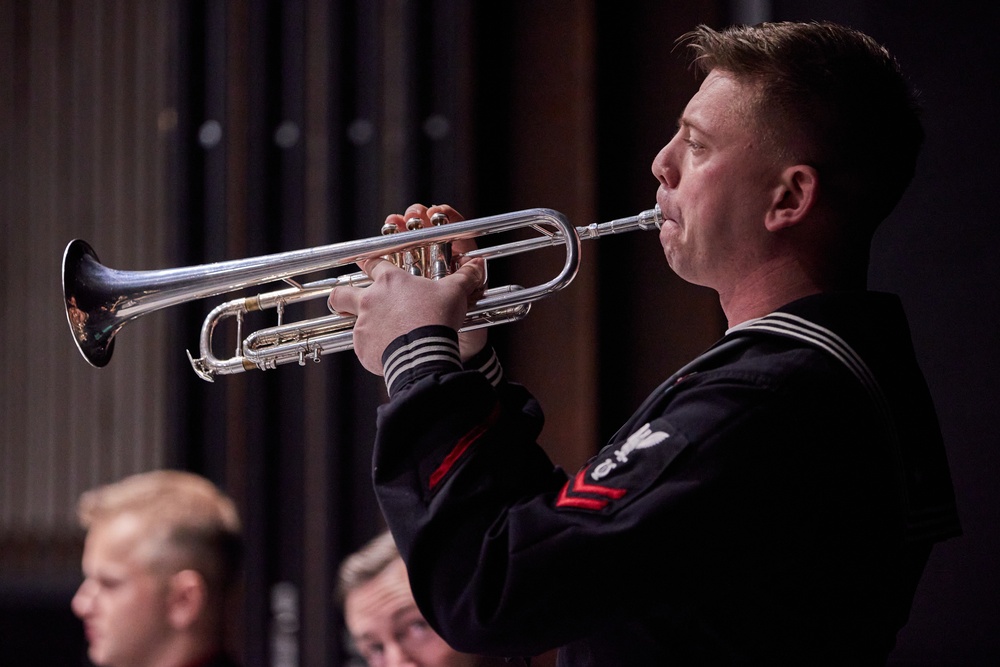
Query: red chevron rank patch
point(633, 464)
point(577, 485)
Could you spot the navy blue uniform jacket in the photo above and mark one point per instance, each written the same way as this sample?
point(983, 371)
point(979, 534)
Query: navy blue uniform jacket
point(773, 502)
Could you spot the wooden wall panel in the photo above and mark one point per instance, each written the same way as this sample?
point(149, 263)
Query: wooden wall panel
point(87, 123)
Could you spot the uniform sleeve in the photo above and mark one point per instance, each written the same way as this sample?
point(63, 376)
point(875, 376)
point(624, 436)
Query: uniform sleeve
point(506, 553)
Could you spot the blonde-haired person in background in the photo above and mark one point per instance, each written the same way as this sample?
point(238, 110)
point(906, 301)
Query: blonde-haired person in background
point(160, 561)
point(385, 626)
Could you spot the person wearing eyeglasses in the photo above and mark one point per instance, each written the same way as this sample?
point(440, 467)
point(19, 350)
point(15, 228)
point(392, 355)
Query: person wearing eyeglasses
point(386, 628)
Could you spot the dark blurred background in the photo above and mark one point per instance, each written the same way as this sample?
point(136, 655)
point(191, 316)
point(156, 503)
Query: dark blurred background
point(169, 133)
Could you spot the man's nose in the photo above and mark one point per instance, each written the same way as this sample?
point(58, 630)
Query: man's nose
point(82, 601)
point(663, 167)
point(397, 656)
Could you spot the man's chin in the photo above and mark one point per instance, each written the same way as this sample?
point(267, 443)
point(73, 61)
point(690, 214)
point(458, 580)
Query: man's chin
point(97, 655)
point(673, 261)
point(684, 271)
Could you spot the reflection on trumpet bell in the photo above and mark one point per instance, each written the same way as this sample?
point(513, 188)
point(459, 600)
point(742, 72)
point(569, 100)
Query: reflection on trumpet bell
point(100, 301)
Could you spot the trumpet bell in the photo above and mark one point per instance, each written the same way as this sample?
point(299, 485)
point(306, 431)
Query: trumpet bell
point(93, 321)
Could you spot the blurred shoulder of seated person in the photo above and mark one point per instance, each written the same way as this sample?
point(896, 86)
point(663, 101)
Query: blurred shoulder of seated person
point(384, 624)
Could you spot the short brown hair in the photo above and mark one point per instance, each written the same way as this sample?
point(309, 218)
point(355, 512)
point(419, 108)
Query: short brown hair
point(830, 96)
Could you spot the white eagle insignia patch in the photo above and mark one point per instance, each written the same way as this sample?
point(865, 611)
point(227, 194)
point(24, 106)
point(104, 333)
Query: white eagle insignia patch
point(644, 438)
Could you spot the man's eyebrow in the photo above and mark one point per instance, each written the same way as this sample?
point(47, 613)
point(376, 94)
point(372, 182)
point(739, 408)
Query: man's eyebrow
point(405, 611)
point(685, 123)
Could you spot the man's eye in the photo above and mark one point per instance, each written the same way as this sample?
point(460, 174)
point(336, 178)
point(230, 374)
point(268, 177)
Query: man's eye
point(693, 145)
point(417, 629)
point(371, 650)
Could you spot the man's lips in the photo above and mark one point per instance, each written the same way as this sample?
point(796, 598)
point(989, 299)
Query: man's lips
point(670, 229)
point(670, 220)
point(669, 213)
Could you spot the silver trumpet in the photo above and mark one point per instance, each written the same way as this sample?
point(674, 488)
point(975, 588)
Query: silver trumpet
point(100, 301)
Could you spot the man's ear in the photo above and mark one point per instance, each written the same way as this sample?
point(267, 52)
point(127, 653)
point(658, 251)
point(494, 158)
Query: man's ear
point(186, 598)
point(794, 196)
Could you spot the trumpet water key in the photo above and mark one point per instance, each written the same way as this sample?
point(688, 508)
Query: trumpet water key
point(100, 301)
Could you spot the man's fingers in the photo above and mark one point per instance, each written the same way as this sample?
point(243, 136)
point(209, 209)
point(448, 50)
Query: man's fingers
point(376, 266)
point(448, 211)
point(415, 211)
point(344, 300)
point(462, 245)
point(472, 275)
point(415, 217)
point(399, 220)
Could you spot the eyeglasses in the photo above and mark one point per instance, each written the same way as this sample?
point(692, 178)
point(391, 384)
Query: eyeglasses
point(411, 634)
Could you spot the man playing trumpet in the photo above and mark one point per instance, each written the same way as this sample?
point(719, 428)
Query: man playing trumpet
point(773, 502)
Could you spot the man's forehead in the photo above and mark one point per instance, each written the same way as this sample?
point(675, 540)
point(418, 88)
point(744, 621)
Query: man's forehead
point(381, 600)
point(127, 527)
point(118, 539)
point(719, 104)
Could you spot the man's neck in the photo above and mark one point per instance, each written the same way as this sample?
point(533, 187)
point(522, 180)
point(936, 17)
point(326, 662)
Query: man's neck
point(185, 652)
point(774, 285)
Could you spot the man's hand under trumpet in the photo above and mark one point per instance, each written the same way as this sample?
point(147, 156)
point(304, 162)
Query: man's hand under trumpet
point(396, 302)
